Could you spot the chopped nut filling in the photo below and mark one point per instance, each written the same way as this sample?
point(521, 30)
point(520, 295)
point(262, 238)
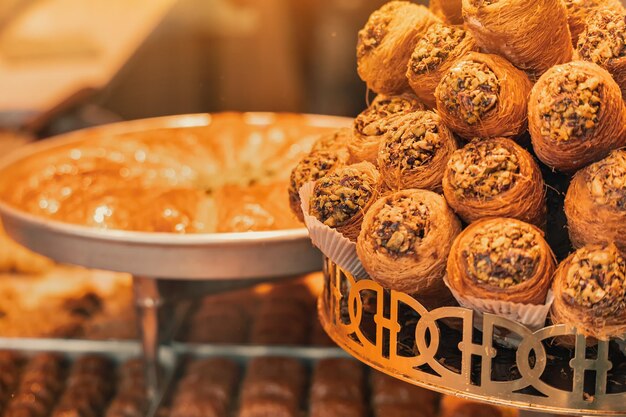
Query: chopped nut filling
point(604, 38)
point(503, 255)
point(311, 168)
point(367, 124)
point(478, 3)
point(607, 180)
point(470, 90)
point(435, 47)
point(340, 195)
point(411, 142)
point(335, 140)
point(597, 278)
point(400, 226)
point(569, 107)
point(376, 28)
point(483, 170)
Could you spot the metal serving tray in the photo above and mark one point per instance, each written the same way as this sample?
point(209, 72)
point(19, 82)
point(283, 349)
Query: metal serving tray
point(249, 255)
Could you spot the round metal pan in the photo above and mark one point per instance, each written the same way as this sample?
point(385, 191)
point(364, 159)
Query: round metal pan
point(248, 255)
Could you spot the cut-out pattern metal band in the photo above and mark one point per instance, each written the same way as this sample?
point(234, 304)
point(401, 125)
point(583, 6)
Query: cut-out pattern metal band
point(583, 380)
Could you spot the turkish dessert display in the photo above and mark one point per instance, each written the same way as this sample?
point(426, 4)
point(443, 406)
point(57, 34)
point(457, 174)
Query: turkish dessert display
point(498, 154)
point(228, 176)
point(48, 384)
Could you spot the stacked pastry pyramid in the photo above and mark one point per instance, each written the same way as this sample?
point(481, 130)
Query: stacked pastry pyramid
point(440, 189)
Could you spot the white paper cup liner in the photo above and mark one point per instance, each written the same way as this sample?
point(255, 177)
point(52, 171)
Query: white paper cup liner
point(532, 316)
point(333, 244)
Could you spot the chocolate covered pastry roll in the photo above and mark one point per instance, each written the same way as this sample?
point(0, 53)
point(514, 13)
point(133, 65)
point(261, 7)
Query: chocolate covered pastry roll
point(518, 31)
point(576, 116)
point(337, 408)
point(604, 42)
point(275, 378)
point(450, 11)
point(501, 259)
point(265, 407)
point(311, 168)
point(404, 243)
point(341, 379)
point(578, 11)
point(590, 292)
point(340, 199)
point(386, 43)
point(484, 96)
point(595, 204)
point(414, 151)
point(390, 391)
point(368, 126)
point(434, 55)
point(495, 178)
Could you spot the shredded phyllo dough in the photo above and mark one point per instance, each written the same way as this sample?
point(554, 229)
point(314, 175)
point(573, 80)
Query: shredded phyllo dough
point(470, 90)
point(411, 143)
point(604, 38)
point(607, 180)
point(479, 3)
point(311, 168)
point(400, 226)
point(503, 255)
point(367, 122)
point(569, 106)
point(435, 47)
point(483, 170)
point(340, 195)
point(375, 29)
point(597, 278)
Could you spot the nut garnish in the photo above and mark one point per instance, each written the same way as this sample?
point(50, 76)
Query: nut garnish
point(411, 143)
point(311, 168)
point(470, 90)
point(332, 141)
point(483, 170)
point(479, 3)
point(376, 27)
point(597, 278)
point(606, 180)
point(400, 226)
point(605, 37)
point(569, 106)
point(503, 255)
point(367, 123)
point(435, 47)
point(340, 195)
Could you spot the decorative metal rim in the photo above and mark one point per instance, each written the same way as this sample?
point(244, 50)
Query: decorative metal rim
point(347, 332)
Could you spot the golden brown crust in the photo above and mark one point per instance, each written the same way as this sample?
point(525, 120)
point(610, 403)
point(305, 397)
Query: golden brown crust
point(578, 11)
point(517, 30)
point(333, 141)
point(595, 204)
point(590, 292)
point(604, 42)
point(386, 42)
point(495, 178)
point(341, 198)
point(576, 116)
point(414, 151)
point(434, 55)
point(484, 96)
point(501, 259)
point(367, 132)
point(405, 240)
point(450, 11)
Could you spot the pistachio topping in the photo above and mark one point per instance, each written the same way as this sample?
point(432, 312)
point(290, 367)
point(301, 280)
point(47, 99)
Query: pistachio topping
point(340, 195)
point(606, 180)
point(569, 106)
point(596, 277)
point(311, 168)
point(368, 122)
point(411, 141)
point(483, 170)
point(376, 28)
point(400, 225)
point(502, 255)
point(605, 37)
point(470, 90)
point(335, 140)
point(435, 47)
point(479, 3)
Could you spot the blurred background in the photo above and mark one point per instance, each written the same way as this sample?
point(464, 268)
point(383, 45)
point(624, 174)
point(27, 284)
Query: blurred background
point(66, 64)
